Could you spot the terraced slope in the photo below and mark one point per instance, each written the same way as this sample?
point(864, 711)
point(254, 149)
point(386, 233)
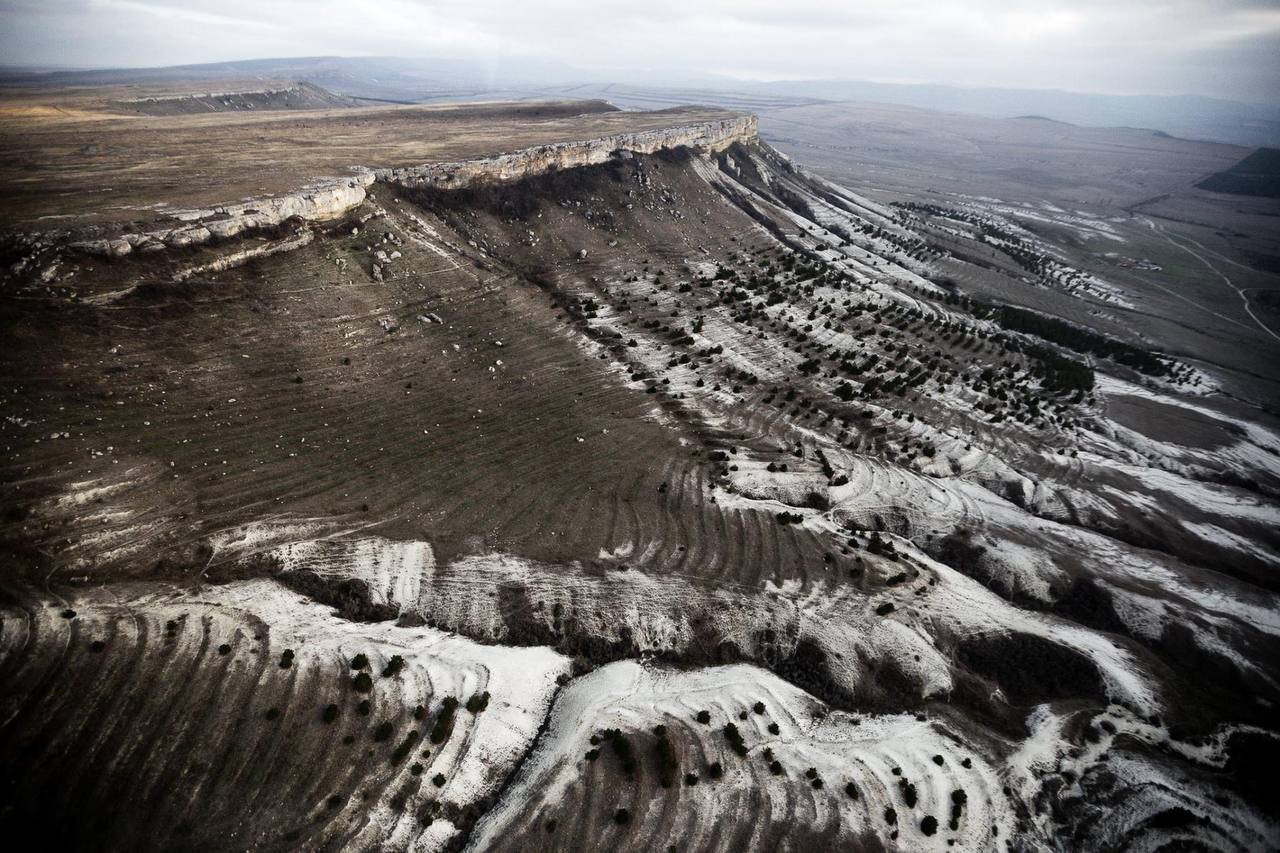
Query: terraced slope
point(615, 445)
point(241, 716)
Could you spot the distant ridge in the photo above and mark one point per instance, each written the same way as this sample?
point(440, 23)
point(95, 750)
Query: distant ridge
point(1046, 118)
point(1255, 175)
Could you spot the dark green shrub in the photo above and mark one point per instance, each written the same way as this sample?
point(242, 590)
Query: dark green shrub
point(393, 666)
point(444, 723)
point(622, 748)
point(668, 766)
point(406, 746)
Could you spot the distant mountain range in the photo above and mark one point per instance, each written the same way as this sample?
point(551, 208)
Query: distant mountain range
point(414, 80)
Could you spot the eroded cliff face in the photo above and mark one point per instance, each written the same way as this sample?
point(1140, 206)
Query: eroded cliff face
point(705, 137)
point(324, 200)
point(332, 198)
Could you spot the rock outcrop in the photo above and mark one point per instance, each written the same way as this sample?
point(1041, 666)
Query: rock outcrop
point(324, 200)
point(706, 137)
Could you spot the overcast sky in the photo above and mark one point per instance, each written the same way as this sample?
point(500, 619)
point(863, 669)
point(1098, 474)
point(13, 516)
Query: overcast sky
point(1225, 48)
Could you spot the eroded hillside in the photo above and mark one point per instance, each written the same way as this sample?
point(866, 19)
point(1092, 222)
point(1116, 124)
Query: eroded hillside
point(645, 493)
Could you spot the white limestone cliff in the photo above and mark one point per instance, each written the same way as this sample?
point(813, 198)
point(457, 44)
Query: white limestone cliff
point(332, 198)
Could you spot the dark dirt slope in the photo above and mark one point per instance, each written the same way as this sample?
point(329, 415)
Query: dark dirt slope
point(1255, 175)
point(275, 389)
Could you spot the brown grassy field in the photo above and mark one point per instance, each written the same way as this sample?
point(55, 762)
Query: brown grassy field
point(72, 156)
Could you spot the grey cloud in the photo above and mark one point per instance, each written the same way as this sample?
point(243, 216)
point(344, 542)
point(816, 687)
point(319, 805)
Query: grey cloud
point(1226, 48)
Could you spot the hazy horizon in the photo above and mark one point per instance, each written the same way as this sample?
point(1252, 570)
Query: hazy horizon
point(1222, 49)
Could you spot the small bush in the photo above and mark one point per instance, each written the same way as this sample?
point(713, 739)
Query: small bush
point(330, 713)
point(668, 766)
point(406, 746)
point(734, 737)
point(362, 683)
point(622, 748)
point(360, 661)
point(621, 816)
point(438, 780)
point(478, 702)
point(444, 723)
point(393, 666)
